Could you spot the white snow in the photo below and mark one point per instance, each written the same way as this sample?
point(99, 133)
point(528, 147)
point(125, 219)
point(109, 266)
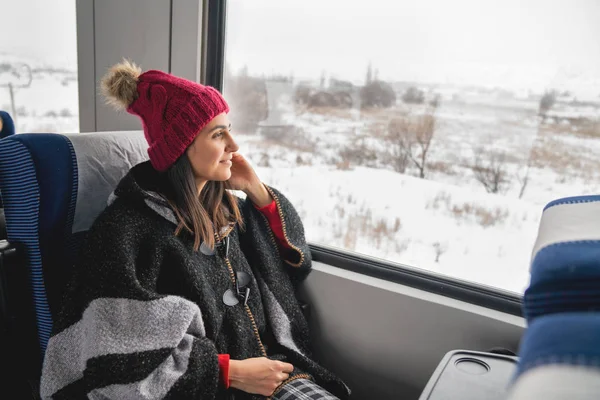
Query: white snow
point(446, 223)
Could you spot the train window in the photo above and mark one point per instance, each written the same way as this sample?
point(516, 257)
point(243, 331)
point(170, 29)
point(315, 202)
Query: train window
point(429, 133)
point(38, 65)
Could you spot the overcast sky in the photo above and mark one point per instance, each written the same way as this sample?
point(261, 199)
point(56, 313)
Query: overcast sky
point(430, 40)
point(420, 39)
point(42, 30)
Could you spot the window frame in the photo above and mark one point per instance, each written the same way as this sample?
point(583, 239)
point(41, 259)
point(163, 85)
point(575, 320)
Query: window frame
point(470, 292)
point(215, 43)
point(480, 295)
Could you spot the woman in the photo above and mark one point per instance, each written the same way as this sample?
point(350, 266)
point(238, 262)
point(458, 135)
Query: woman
point(182, 290)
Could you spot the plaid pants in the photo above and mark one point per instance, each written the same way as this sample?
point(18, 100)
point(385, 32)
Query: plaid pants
point(303, 389)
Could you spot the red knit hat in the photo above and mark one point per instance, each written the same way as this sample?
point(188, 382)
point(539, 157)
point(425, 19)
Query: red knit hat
point(173, 110)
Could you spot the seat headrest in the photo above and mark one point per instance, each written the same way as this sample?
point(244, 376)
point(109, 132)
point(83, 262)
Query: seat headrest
point(103, 158)
point(568, 220)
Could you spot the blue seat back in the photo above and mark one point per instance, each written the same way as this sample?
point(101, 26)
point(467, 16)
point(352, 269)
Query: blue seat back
point(53, 187)
point(562, 302)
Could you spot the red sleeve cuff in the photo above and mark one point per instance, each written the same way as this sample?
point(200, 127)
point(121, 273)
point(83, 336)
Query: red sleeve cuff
point(268, 209)
point(271, 212)
point(224, 370)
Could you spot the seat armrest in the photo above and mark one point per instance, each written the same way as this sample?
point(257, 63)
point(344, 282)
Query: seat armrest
point(471, 375)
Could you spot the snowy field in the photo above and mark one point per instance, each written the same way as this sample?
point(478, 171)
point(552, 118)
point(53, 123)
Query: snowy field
point(447, 222)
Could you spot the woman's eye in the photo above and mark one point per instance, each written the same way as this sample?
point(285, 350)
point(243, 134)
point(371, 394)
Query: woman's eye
point(218, 135)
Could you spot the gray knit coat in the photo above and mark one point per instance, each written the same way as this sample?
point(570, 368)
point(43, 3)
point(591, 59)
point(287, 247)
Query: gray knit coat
point(144, 316)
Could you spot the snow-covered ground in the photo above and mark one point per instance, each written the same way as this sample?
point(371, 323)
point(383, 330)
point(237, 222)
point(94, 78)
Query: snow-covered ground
point(434, 226)
point(446, 223)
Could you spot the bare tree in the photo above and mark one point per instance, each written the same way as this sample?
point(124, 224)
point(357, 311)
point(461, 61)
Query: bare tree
point(15, 77)
point(377, 94)
point(412, 137)
point(439, 248)
point(546, 103)
point(413, 96)
point(490, 171)
point(524, 180)
point(359, 153)
point(399, 157)
point(369, 77)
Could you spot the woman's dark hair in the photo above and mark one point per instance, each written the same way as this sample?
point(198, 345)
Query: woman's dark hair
point(201, 215)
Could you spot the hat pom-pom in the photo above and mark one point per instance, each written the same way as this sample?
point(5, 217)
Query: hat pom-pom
point(119, 85)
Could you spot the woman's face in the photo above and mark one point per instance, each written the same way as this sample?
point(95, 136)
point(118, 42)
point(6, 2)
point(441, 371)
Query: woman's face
point(210, 152)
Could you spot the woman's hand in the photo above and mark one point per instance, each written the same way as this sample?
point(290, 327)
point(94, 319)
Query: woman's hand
point(244, 178)
point(242, 173)
point(258, 375)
